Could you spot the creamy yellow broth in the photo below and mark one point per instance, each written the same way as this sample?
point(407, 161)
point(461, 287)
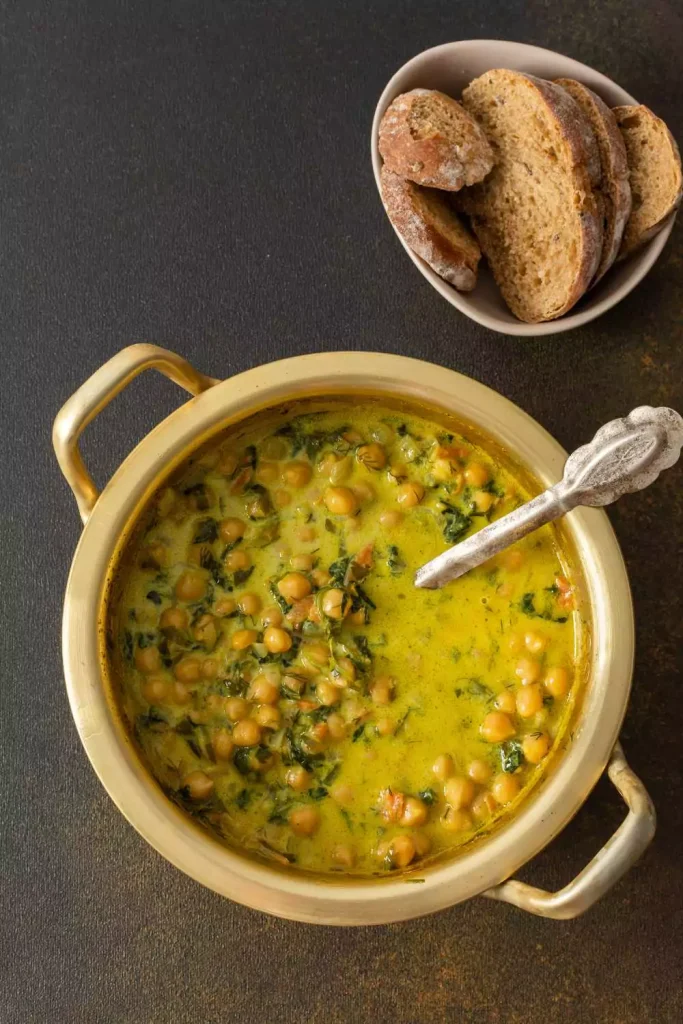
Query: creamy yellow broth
point(290, 687)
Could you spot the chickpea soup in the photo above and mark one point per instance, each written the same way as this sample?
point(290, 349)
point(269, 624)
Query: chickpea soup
point(288, 685)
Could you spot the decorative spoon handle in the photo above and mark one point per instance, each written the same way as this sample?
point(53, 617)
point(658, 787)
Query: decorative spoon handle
point(625, 455)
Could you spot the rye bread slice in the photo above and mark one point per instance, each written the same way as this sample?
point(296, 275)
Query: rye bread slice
point(655, 169)
point(614, 185)
point(426, 222)
point(429, 138)
point(536, 216)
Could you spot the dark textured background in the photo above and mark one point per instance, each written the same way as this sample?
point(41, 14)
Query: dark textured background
point(198, 174)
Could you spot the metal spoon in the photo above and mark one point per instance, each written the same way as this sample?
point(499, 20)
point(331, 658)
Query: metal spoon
point(624, 456)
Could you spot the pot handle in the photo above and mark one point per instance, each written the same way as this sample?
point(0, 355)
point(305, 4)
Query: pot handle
point(97, 392)
point(605, 869)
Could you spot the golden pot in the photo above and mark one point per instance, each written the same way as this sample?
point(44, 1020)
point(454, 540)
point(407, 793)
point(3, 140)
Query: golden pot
point(485, 869)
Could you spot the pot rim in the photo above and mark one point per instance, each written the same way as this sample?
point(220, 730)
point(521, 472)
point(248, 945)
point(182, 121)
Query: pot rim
point(288, 894)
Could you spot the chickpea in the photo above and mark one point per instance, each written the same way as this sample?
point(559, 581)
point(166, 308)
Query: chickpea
point(342, 793)
point(314, 654)
point(483, 806)
point(222, 744)
point(321, 577)
point(188, 670)
point(174, 618)
point(227, 464)
point(505, 701)
point(266, 473)
point(304, 821)
point(336, 726)
point(403, 851)
point(236, 708)
point(335, 467)
point(272, 616)
point(372, 455)
point(535, 746)
point(225, 606)
point(476, 475)
point(556, 681)
point(443, 767)
point(231, 530)
point(191, 586)
point(246, 733)
point(414, 813)
point(390, 518)
point(511, 560)
point(277, 640)
point(243, 638)
point(347, 668)
point(205, 632)
point(458, 792)
point(294, 587)
point(263, 690)
point(482, 500)
point(358, 618)
point(479, 771)
point(504, 788)
point(514, 643)
point(529, 700)
point(147, 659)
point(235, 560)
point(267, 716)
point(341, 501)
point(344, 855)
point(180, 693)
point(303, 563)
point(198, 784)
point(385, 727)
point(335, 603)
point(455, 821)
point(364, 492)
point(249, 604)
point(327, 693)
point(527, 671)
point(153, 557)
point(209, 668)
point(497, 727)
point(409, 494)
point(296, 474)
point(534, 642)
point(282, 498)
point(382, 690)
point(155, 690)
point(298, 779)
point(306, 533)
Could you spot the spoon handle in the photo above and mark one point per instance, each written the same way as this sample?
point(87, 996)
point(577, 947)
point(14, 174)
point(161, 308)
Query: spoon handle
point(624, 456)
point(493, 538)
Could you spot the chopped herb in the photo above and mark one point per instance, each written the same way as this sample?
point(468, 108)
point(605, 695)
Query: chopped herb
point(548, 701)
point(282, 603)
point(361, 600)
point(243, 758)
point(456, 654)
point(427, 796)
point(339, 569)
point(455, 523)
point(318, 793)
point(127, 645)
point(511, 756)
point(154, 596)
point(358, 732)
point(198, 492)
point(206, 532)
point(332, 775)
point(329, 526)
point(363, 646)
point(146, 640)
point(394, 561)
point(527, 607)
point(402, 721)
point(153, 718)
point(250, 456)
point(242, 575)
point(347, 818)
point(477, 689)
point(208, 560)
point(401, 430)
point(243, 798)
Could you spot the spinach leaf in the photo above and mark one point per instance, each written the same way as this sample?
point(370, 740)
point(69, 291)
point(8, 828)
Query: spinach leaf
point(243, 798)
point(206, 532)
point(528, 607)
point(427, 796)
point(318, 793)
point(455, 523)
point(208, 560)
point(395, 563)
point(511, 756)
point(358, 732)
point(154, 596)
point(128, 645)
point(198, 492)
point(242, 575)
point(339, 569)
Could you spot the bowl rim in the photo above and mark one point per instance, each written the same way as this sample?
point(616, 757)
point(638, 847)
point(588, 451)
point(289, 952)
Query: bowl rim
point(641, 262)
point(289, 895)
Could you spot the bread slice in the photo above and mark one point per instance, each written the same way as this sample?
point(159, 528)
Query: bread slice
point(428, 137)
point(426, 223)
point(536, 216)
point(655, 167)
point(614, 185)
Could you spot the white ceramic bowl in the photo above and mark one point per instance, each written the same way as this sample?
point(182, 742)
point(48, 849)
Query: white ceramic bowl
point(450, 68)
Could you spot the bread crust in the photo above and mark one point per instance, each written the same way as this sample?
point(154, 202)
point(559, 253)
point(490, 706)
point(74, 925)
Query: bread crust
point(457, 265)
point(585, 177)
point(614, 186)
point(434, 161)
point(631, 241)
